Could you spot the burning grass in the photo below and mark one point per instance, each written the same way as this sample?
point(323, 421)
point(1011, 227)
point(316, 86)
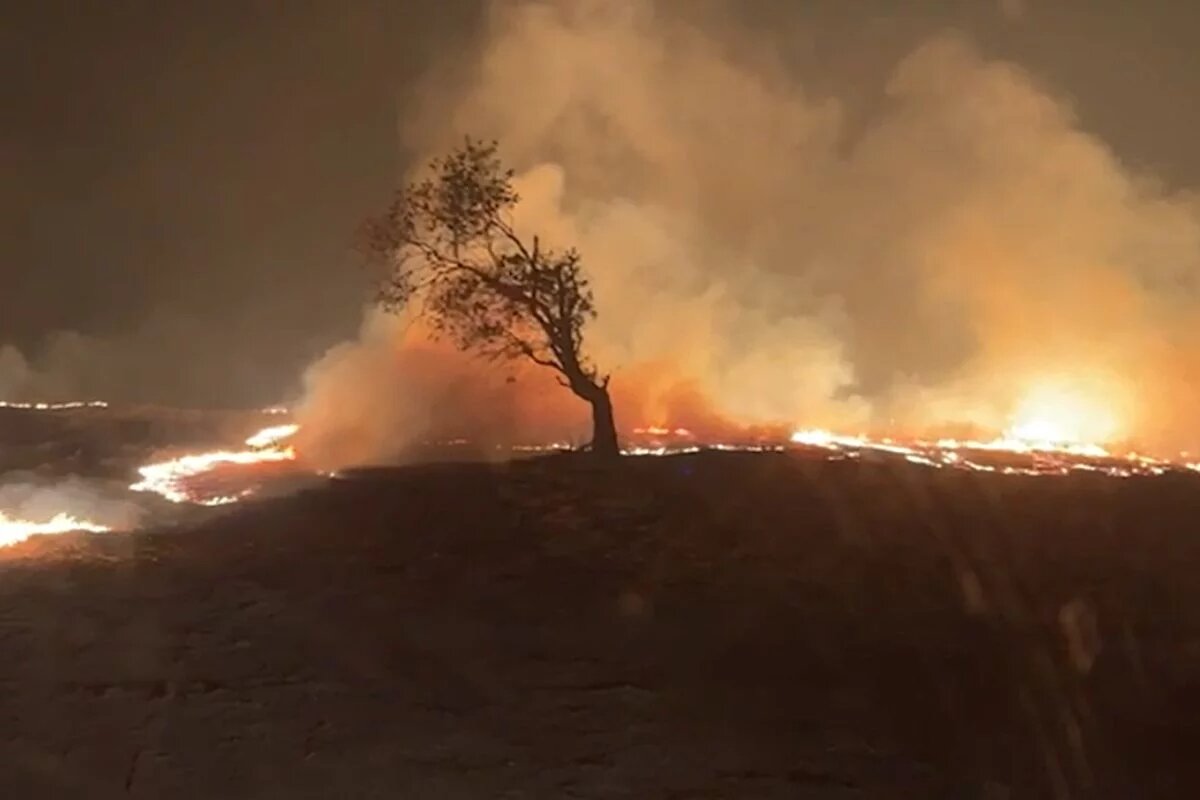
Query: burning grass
point(1036, 445)
point(14, 531)
point(177, 479)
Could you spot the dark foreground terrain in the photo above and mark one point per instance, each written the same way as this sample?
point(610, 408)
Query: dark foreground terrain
point(704, 626)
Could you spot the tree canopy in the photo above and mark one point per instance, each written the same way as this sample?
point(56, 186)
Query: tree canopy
point(455, 257)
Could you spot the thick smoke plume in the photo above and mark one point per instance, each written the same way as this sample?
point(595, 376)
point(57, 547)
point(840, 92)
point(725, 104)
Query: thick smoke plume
point(758, 259)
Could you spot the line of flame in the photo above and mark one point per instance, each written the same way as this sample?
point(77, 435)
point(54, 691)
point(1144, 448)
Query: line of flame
point(69, 406)
point(14, 531)
point(169, 478)
point(1050, 458)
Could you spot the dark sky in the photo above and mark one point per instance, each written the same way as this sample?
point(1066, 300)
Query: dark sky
point(190, 173)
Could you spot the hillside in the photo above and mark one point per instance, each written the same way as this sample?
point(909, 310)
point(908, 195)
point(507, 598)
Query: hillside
point(699, 626)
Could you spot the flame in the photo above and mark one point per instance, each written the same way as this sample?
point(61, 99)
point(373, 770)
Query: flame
point(268, 437)
point(170, 479)
point(14, 531)
point(1054, 415)
point(69, 406)
point(659, 430)
point(1056, 429)
point(1011, 454)
point(816, 437)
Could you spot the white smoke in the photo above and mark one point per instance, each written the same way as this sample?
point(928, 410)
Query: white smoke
point(924, 270)
point(28, 497)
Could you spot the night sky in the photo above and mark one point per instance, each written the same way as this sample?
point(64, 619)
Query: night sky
point(182, 179)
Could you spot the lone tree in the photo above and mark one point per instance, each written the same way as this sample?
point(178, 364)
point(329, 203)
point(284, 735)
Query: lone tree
point(454, 256)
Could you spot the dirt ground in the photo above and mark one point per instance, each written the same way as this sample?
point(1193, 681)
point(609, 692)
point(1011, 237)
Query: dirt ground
point(700, 626)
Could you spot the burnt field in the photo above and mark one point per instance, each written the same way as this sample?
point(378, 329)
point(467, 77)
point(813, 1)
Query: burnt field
point(83, 461)
point(111, 443)
point(702, 626)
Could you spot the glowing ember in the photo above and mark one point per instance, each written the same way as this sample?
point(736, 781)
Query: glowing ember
point(13, 531)
point(661, 431)
point(72, 405)
point(659, 451)
point(171, 479)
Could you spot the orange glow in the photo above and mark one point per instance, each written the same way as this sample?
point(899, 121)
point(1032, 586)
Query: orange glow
point(13, 531)
point(1056, 428)
point(169, 479)
point(658, 430)
point(1057, 414)
point(1006, 455)
point(816, 437)
point(268, 437)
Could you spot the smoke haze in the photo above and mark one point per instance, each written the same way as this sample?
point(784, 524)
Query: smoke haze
point(167, 358)
point(25, 496)
point(762, 255)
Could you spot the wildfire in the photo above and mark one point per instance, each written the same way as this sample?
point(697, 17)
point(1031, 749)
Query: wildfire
point(1005, 455)
point(815, 437)
point(14, 531)
point(657, 430)
point(69, 406)
point(172, 479)
point(1054, 430)
point(1054, 416)
point(268, 437)
point(1057, 427)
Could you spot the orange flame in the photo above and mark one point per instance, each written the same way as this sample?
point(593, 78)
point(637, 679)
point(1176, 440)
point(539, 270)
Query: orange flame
point(1053, 414)
point(14, 531)
point(1009, 455)
point(169, 479)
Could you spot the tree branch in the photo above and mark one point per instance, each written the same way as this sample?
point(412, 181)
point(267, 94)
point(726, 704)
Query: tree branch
point(455, 249)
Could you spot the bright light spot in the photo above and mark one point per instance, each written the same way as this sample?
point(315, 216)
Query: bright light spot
point(1054, 415)
point(815, 437)
point(69, 406)
point(658, 430)
point(13, 531)
point(269, 436)
point(170, 479)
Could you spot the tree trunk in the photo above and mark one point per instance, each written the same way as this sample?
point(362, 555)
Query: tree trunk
point(604, 430)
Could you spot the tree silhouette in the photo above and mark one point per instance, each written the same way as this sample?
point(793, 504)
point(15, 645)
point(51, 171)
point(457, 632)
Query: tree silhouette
point(454, 256)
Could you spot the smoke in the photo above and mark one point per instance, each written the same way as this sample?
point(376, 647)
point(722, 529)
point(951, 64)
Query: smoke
point(27, 497)
point(1013, 10)
point(14, 372)
point(166, 359)
point(394, 391)
point(69, 366)
point(923, 270)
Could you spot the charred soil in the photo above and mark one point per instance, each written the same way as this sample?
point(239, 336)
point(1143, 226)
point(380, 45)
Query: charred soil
point(698, 626)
